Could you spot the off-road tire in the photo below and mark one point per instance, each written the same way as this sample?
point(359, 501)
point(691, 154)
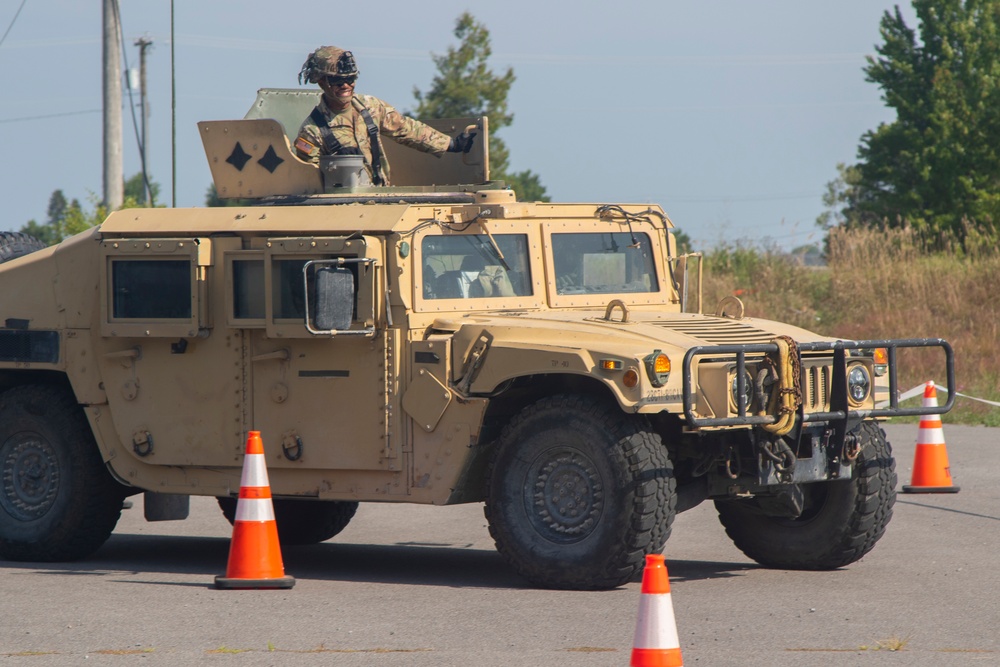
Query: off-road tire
point(58, 502)
point(841, 524)
point(16, 244)
point(303, 521)
point(579, 494)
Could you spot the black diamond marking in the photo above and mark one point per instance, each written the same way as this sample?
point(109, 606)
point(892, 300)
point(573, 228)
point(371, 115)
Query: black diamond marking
point(270, 161)
point(238, 158)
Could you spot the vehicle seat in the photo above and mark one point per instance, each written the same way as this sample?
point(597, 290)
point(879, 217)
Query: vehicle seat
point(449, 285)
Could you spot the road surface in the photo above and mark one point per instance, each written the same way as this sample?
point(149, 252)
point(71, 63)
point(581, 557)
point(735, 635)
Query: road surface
point(412, 585)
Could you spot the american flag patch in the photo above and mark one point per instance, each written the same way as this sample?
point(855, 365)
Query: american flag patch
point(304, 146)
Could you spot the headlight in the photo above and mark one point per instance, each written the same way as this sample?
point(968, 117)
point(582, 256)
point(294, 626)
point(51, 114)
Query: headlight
point(747, 391)
point(658, 368)
point(859, 384)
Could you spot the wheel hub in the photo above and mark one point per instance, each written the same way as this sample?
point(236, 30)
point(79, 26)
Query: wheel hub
point(30, 477)
point(567, 498)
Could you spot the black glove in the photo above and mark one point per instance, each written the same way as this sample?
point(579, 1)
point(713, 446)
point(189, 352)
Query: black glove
point(462, 143)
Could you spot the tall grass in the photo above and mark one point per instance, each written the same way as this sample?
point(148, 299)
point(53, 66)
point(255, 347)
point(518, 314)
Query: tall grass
point(884, 284)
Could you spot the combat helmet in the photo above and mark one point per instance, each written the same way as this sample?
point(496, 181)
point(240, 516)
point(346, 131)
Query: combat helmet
point(328, 61)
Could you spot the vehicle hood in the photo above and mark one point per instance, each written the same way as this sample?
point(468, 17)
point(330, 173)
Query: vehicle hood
point(643, 331)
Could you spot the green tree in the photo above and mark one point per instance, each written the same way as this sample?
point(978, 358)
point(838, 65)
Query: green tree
point(684, 243)
point(937, 164)
point(68, 218)
point(135, 189)
point(61, 215)
point(466, 86)
point(840, 197)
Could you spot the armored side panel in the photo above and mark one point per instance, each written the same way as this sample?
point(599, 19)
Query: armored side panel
point(251, 159)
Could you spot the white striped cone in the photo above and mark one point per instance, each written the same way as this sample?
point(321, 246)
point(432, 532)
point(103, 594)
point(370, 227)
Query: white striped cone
point(656, 643)
point(254, 552)
point(931, 471)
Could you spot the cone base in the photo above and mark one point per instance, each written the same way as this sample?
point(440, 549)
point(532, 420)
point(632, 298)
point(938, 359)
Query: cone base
point(930, 489)
point(656, 657)
point(232, 583)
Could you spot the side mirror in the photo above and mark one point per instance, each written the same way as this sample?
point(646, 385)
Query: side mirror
point(334, 298)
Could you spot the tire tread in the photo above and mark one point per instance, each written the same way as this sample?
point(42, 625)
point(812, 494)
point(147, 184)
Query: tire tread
point(653, 501)
point(874, 480)
point(96, 498)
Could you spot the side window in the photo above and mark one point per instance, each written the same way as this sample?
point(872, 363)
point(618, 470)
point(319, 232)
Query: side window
point(248, 289)
point(606, 263)
point(291, 266)
point(151, 289)
point(468, 266)
point(288, 288)
point(155, 286)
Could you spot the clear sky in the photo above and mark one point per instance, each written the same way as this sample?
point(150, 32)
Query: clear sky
point(730, 114)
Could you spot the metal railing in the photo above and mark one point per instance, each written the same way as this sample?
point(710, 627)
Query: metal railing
point(839, 406)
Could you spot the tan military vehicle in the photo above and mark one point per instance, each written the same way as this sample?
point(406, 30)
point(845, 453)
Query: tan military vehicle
point(426, 343)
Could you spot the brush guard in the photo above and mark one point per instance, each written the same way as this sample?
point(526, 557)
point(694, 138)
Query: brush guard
point(841, 418)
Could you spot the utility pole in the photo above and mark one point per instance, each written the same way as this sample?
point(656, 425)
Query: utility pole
point(173, 115)
point(143, 45)
point(114, 182)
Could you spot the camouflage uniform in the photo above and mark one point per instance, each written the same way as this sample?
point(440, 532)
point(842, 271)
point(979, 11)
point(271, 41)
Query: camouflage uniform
point(349, 129)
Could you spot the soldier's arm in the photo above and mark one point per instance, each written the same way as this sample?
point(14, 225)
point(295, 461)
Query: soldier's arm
point(407, 131)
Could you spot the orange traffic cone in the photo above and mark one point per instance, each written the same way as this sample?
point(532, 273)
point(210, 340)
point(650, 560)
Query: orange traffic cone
point(931, 473)
point(656, 643)
point(254, 553)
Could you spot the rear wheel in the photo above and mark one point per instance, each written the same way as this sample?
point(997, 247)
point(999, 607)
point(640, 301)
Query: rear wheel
point(303, 521)
point(579, 494)
point(58, 502)
point(841, 520)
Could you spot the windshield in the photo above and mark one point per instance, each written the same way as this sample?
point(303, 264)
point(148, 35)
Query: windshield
point(604, 263)
point(468, 266)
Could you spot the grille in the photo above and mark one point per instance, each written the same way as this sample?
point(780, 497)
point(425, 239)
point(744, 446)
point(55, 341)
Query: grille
point(817, 388)
point(718, 332)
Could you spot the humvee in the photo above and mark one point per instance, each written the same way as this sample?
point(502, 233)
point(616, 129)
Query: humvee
point(433, 342)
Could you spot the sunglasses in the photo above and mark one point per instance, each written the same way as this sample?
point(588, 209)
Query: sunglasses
point(341, 80)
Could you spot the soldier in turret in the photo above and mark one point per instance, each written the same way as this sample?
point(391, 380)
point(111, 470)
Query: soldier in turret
point(346, 123)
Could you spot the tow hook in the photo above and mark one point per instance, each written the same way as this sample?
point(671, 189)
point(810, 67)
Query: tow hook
point(780, 455)
point(852, 447)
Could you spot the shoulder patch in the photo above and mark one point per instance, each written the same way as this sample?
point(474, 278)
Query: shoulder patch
point(304, 146)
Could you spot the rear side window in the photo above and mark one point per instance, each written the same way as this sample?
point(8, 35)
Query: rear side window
point(146, 289)
point(155, 287)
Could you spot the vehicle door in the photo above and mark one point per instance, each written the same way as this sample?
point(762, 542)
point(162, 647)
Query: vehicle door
point(172, 378)
point(322, 394)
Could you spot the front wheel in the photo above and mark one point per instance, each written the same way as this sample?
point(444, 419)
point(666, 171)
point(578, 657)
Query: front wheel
point(841, 520)
point(58, 502)
point(579, 494)
point(303, 521)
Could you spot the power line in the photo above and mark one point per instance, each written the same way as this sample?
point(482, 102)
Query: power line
point(135, 125)
point(51, 115)
point(723, 199)
point(512, 57)
point(13, 21)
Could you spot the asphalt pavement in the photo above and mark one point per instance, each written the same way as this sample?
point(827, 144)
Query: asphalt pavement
point(416, 585)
